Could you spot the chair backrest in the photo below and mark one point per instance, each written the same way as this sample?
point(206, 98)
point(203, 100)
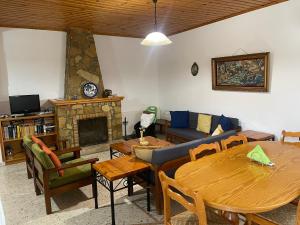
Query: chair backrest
point(233, 141)
point(203, 150)
point(290, 134)
point(168, 186)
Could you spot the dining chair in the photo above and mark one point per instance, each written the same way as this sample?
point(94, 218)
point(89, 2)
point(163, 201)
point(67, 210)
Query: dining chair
point(290, 134)
point(285, 215)
point(233, 141)
point(203, 150)
point(196, 213)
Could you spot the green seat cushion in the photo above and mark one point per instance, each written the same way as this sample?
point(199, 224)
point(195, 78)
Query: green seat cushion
point(66, 157)
point(42, 157)
point(71, 174)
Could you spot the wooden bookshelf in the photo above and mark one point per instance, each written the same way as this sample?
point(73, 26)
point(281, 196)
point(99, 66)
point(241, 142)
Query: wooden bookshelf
point(15, 142)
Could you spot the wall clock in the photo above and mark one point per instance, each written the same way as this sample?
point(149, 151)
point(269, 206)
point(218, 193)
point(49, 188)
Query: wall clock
point(194, 69)
point(90, 90)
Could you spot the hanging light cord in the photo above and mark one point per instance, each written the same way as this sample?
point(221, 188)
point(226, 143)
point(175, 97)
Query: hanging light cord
point(155, 14)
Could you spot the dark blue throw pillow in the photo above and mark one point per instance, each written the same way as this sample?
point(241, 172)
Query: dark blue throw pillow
point(225, 123)
point(179, 119)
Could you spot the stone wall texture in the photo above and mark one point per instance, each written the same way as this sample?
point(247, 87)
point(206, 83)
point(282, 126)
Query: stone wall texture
point(82, 63)
point(69, 115)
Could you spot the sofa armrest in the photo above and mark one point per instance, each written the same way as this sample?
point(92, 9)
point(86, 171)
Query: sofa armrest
point(238, 129)
point(72, 165)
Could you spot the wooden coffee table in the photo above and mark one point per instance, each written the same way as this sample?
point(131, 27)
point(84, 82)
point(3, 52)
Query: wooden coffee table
point(125, 147)
point(257, 135)
point(107, 172)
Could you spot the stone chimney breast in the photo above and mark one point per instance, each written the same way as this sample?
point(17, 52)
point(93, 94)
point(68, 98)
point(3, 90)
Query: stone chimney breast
point(82, 65)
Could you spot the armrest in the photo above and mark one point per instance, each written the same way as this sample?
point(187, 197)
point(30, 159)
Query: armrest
point(238, 129)
point(67, 166)
point(67, 150)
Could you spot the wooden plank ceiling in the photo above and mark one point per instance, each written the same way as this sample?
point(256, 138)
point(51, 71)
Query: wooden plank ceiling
point(129, 18)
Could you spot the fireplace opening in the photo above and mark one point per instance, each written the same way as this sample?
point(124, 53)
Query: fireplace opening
point(92, 131)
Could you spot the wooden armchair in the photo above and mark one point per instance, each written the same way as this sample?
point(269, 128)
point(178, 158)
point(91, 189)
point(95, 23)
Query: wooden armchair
point(196, 212)
point(77, 173)
point(233, 141)
point(64, 155)
point(204, 149)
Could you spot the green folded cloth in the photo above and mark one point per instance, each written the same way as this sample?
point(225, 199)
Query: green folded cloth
point(258, 155)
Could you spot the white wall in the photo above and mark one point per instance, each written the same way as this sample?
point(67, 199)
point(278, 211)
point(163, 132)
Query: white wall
point(33, 61)
point(129, 70)
point(275, 29)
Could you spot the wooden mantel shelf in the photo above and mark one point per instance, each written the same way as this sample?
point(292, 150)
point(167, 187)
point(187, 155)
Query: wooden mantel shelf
point(62, 102)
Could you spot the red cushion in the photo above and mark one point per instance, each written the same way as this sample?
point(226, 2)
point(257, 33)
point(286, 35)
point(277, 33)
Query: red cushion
point(56, 161)
point(38, 141)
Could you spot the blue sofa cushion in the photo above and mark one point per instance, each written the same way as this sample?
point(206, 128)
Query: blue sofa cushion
point(187, 133)
point(179, 119)
point(193, 120)
point(225, 123)
point(160, 156)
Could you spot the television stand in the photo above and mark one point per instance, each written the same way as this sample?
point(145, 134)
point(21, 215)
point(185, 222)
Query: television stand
point(16, 115)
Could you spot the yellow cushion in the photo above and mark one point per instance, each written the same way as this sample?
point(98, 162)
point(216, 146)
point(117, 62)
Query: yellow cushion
point(204, 123)
point(218, 130)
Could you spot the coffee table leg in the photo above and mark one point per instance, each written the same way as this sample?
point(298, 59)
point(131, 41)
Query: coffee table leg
point(112, 203)
point(111, 152)
point(95, 190)
point(130, 186)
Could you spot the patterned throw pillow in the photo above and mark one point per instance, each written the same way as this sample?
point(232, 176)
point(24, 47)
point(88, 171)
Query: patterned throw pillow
point(204, 123)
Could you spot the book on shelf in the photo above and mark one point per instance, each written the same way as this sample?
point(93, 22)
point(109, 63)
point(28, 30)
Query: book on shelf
point(19, 129)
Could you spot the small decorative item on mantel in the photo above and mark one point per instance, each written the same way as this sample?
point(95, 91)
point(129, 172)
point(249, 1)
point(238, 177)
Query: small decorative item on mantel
point(90, 90)
point(107, 93)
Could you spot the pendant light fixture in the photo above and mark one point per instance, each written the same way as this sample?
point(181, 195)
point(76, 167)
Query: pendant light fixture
point(156, 38)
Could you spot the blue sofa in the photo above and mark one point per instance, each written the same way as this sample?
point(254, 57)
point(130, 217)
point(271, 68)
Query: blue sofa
point(170, 158)
point(188, 134)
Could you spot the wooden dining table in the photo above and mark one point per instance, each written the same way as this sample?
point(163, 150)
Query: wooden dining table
point(231, 182)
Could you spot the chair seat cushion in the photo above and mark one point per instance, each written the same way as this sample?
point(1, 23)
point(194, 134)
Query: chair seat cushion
point(189, 218)
point(285, 215)
point(71, 174)
point(187, 133)
point(66, 157)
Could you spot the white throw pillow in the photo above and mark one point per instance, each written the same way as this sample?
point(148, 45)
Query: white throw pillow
point(147, 119)
point(218, 130)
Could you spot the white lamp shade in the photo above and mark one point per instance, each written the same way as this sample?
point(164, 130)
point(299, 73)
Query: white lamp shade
point(156, 39)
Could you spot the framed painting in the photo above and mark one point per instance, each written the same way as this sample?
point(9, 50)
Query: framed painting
point(241, 73)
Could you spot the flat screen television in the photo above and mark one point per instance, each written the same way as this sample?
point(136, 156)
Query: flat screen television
point(24, 104)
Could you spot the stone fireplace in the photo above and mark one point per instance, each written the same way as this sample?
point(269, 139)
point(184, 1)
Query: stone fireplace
point(71, 112)
point(83, 121)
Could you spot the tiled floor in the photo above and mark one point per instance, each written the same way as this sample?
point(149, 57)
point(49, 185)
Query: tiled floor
point(22, 206)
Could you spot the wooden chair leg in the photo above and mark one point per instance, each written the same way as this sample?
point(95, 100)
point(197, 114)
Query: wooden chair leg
point(94, 187)
point(48, 204)
point(29, 175)
point(158, 194)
